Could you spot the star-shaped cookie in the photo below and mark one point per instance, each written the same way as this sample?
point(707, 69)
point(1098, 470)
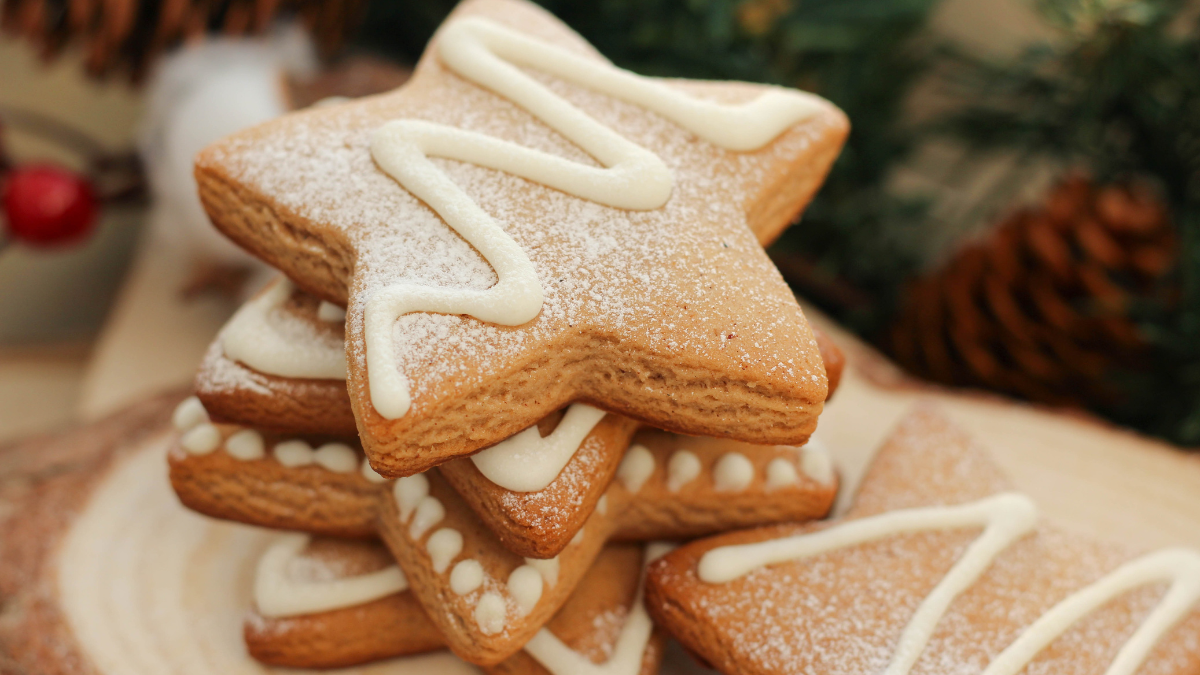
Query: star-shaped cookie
point(274, 366)
point(938, 568)
point(523, 225)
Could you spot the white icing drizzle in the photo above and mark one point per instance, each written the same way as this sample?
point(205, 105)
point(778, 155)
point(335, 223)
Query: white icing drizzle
point(444, 546)
point(409, 491)
point(1181, 567)
point(371, 474)
point(245, 445)
point(816, 464)
point(429, 513)
point(636, 467)
point(527, 462)
point(201, 439)
point(627, 654)
point(294, 453)
point(682, 468)
point(491, 613)
point(548, 568)
point(1005, 518)
point(252, 338)
point(733, 472)
point(276, 595)
point(337, 457)
point(630, 177)
point(466, 576)
point(525, 586)
point(189, 413)
point(781, 473)
point(330, 313)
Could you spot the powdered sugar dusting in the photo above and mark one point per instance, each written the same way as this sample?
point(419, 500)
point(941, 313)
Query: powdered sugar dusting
point(842, 612)
point(325, 559)
point(225, 376)
point(687, 278)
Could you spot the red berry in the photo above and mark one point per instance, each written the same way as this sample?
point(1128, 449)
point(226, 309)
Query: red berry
point(46, 205)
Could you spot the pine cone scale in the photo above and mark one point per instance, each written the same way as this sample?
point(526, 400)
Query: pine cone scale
point(1042, 308)
point(127, 35)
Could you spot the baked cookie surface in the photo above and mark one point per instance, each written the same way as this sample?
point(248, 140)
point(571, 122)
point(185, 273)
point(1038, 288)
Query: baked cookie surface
point(938, 568)
point(534, 490)
point(667, 311)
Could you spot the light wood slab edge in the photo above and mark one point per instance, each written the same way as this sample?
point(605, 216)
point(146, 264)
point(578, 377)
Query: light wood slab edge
point(1086, 474)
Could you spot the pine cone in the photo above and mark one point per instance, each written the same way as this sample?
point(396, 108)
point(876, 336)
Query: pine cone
point(128, 35)
point(1042, 307)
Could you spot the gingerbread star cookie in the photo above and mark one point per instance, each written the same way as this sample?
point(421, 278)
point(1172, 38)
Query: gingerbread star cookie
point(523, 226)
point(322, 603)
point(534, 490)
point(940, 567)
point(486, 600)
point(280, 364)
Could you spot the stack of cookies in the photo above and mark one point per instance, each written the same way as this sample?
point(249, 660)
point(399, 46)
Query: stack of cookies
point(525, 331)
point(529, 390)
point(526, 341)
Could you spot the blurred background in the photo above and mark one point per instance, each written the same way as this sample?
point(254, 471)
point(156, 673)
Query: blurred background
point(1016, 210)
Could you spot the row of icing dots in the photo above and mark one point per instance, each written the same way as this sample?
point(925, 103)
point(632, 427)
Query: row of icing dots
point(422, 512)
point(630, 176)
point(732, 472)
point(526, 462)
point(201, 437)
point(1005, 518)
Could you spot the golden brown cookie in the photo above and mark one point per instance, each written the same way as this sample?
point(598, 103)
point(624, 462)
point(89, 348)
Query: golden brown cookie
point(938, 568)
point(482, 301)
point(285, 330)
point(356, 613)
point(486, 600)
